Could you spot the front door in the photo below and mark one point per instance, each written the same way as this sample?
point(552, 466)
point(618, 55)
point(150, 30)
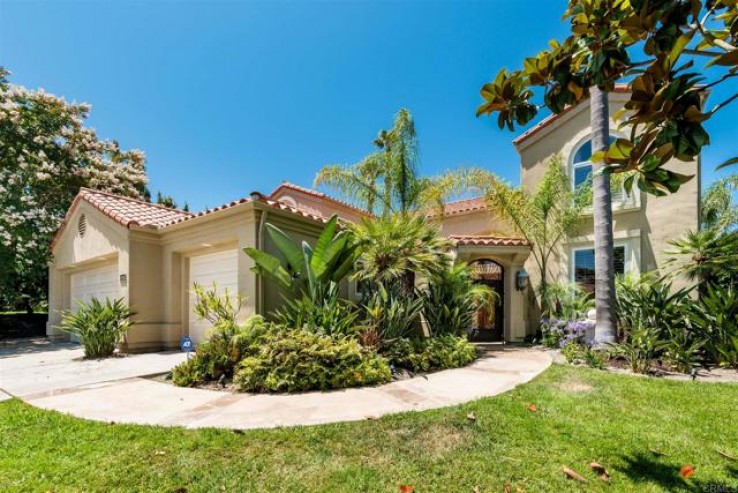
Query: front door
point(488, 323)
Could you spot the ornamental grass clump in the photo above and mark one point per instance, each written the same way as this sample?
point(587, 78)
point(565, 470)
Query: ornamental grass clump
point(100, 326)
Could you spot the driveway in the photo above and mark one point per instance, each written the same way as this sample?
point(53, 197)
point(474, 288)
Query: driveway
point(117, 390)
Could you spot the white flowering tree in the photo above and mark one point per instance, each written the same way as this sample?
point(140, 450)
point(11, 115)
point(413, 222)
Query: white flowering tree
point(46, 155)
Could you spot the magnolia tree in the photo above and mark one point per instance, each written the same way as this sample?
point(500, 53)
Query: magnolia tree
point(670, 53)
point(47, 154)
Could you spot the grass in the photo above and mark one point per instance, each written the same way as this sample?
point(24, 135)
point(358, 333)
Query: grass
point(583, 415)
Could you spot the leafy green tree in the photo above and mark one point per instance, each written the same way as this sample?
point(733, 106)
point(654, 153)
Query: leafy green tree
point(652, 46)
point(47, 154)
point(545, 216)
point(387, 180)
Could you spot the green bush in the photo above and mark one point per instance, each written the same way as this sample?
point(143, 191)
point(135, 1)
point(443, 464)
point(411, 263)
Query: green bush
point(299, 360)
point(432, 353)
point(226, 345)
point(100, 326)
point(714, 317)
point(322, 310)
point(576, 353)
point(451, 300)
point(391, 315)
point(639, 348)
point(227, 341)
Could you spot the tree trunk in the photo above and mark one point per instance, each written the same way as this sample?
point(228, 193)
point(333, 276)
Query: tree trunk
point(606, 323)
point(407, 283)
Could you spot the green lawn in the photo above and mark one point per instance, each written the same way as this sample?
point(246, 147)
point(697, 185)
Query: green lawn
point(583, 415)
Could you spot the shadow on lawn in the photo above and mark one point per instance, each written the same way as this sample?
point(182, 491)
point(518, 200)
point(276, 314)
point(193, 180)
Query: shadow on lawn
point(643, 468)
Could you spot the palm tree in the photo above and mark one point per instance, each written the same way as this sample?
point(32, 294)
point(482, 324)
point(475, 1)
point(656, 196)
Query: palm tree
point(544, 217)
point(706, 257)
point(397, 247)
point(388, 177)
point(718, 208)
point(604, 247)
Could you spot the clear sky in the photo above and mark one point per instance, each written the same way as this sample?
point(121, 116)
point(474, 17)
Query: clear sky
point(230, 97)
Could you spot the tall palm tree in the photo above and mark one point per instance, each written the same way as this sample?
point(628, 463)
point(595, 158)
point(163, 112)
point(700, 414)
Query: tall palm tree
point(604, 247)
point(544, 216)
point(388, 177)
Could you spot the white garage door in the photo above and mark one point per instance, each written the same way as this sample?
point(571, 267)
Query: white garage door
point(220, 268)
point(97, 283)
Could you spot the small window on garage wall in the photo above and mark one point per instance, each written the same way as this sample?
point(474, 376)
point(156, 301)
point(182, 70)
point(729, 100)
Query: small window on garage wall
point(82, 225)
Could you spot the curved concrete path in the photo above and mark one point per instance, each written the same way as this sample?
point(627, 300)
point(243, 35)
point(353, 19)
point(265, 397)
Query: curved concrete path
point(116, 390)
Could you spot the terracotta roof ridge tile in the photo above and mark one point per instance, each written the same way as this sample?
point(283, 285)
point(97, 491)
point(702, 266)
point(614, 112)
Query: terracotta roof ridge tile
point(131, 199)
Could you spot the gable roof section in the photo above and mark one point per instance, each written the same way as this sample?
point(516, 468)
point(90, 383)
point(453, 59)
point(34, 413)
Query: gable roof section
point(319, 195)
point(126, 211)
point(129, 212)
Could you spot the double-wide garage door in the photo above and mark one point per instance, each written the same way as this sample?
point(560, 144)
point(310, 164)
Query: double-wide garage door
point(219, 269)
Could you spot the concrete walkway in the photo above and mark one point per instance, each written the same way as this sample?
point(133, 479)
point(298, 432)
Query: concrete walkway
point(115, 390)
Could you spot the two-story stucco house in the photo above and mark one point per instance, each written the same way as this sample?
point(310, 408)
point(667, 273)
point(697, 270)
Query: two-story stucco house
point(116, 247)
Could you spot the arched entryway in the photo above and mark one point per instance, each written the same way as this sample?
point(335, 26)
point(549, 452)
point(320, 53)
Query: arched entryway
point(488, 324)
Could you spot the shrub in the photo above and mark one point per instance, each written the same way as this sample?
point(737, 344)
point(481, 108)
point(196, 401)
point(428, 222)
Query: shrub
point(227, 341)
point(226, 345)
point(432, 353)
point(99, 325)
point(714, 317)
point(451, 300)
point(390, 315)
point(576, 353)
point(299, 360)
point(639, 348)
point(323, 312)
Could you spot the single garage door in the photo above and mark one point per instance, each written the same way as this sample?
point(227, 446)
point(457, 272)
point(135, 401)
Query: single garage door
point(97, 283)
point(220, 268)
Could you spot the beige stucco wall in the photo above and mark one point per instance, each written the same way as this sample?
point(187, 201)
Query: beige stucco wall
point(644, 227)
point(105, 242)
point(481, 222)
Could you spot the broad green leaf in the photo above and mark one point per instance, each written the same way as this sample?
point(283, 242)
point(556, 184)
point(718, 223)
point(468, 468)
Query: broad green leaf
point(269, 266)
point(325, 248)
point(287, 247)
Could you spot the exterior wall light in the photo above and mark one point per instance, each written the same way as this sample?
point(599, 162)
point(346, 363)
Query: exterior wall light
point(521, 279)
point(123, 280)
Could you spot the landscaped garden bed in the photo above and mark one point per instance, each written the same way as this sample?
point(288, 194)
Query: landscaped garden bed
point(318, 340)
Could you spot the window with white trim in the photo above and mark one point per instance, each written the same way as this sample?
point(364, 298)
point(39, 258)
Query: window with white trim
point(583, 265)
point(581, 166)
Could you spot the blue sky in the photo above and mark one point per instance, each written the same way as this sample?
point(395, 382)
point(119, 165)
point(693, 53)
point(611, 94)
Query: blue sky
point(226, 97)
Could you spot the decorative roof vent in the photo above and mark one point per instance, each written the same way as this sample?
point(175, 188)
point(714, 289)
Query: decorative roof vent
point(82, 225)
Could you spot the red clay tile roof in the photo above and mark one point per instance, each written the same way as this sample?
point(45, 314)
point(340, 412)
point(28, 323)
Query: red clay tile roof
point(462, 206)
point(479, 240)
point(320, 195)
point(619, 88)
point(128, 211)
point(124, 210)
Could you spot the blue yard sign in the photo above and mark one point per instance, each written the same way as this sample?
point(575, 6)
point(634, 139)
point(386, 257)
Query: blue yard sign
point(186, 344)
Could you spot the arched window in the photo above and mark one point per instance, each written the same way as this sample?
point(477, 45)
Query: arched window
point(581, 167)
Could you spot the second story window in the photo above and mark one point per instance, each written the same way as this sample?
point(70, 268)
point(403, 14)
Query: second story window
point(581, 166)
